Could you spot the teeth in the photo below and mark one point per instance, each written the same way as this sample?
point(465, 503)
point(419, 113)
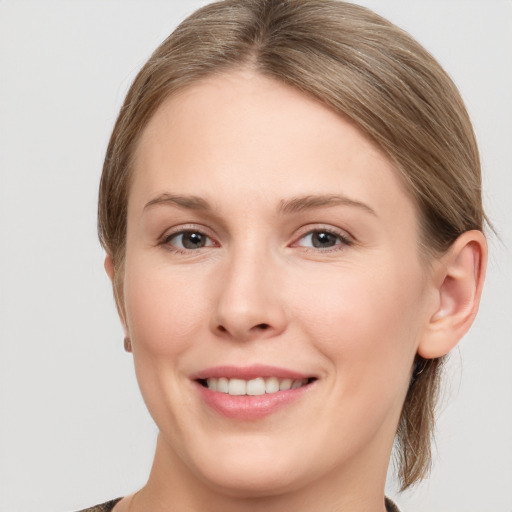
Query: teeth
point(285, 384)
point(253, 387)
point(271, 385)
point(256, 387)
point(296, 384)
point(222, 385)
point(237, 387)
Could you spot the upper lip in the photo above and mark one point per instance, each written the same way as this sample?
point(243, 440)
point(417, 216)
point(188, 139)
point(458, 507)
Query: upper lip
point(249, 372)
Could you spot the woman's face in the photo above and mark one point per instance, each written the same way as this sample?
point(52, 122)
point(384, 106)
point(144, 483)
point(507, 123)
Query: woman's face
point(270, 245)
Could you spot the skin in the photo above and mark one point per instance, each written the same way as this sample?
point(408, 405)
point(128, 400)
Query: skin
point(353, 314)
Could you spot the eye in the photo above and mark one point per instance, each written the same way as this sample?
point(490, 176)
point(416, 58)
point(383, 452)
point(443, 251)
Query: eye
point(322, 239)
point(188, 240)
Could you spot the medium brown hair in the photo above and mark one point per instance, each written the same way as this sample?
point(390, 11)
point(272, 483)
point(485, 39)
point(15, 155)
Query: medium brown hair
point(358, 64)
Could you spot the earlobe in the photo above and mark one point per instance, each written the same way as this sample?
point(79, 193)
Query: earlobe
point(459, 276)
point(109, 267)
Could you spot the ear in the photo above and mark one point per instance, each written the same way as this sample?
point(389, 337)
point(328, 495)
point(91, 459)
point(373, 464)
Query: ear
point(109, 267)
point(458, 277)
point(111, 272)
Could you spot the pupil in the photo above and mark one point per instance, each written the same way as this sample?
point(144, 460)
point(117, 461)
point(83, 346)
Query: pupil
point(323, 239)
point(193, 240)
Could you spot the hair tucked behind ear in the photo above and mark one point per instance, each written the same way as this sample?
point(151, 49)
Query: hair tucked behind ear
point(359, 65)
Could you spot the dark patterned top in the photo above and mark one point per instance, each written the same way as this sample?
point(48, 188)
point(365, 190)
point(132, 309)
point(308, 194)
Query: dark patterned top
point(107, 507)
point(390, 506)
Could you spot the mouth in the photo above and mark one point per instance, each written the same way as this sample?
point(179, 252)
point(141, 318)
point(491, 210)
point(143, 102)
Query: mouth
point(253, 387)
point(251, 393)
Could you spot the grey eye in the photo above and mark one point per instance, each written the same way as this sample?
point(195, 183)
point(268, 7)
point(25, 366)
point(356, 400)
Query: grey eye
point(188, 240)
point(320, 240)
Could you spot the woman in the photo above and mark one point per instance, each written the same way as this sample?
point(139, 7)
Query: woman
point(290, 206)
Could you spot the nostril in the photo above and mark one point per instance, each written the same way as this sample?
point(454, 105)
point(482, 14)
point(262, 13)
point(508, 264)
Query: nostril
point(258, 328)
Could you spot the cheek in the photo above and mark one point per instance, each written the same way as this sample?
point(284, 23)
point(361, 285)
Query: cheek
point(367, 320)
point(163, 309)
point(164, 318)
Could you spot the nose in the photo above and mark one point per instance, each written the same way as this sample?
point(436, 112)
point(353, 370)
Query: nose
point(249, 302)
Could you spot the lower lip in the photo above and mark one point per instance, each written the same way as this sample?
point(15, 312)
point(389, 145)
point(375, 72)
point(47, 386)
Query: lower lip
point(248, 407)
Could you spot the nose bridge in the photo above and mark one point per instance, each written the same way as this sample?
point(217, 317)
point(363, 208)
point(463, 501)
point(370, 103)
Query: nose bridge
point(248, 304)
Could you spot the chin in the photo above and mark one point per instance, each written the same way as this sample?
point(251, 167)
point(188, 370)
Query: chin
point(256, 474)
point(246, 481)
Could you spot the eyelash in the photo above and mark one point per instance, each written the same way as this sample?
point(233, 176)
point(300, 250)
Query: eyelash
point(344, 240)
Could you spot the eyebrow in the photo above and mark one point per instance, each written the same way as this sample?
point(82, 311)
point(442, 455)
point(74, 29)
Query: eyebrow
point(300, 204)
point(188, 202)
point(286, 207)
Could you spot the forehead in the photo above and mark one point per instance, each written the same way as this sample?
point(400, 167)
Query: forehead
point(243, 137)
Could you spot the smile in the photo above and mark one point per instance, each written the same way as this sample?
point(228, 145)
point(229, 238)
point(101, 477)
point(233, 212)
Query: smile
point(249, 393)
point(253, 387)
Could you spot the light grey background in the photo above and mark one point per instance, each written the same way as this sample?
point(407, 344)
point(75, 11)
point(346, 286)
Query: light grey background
point(73, 428)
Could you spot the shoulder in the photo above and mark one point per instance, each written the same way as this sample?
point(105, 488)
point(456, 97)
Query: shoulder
point(104, 507)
